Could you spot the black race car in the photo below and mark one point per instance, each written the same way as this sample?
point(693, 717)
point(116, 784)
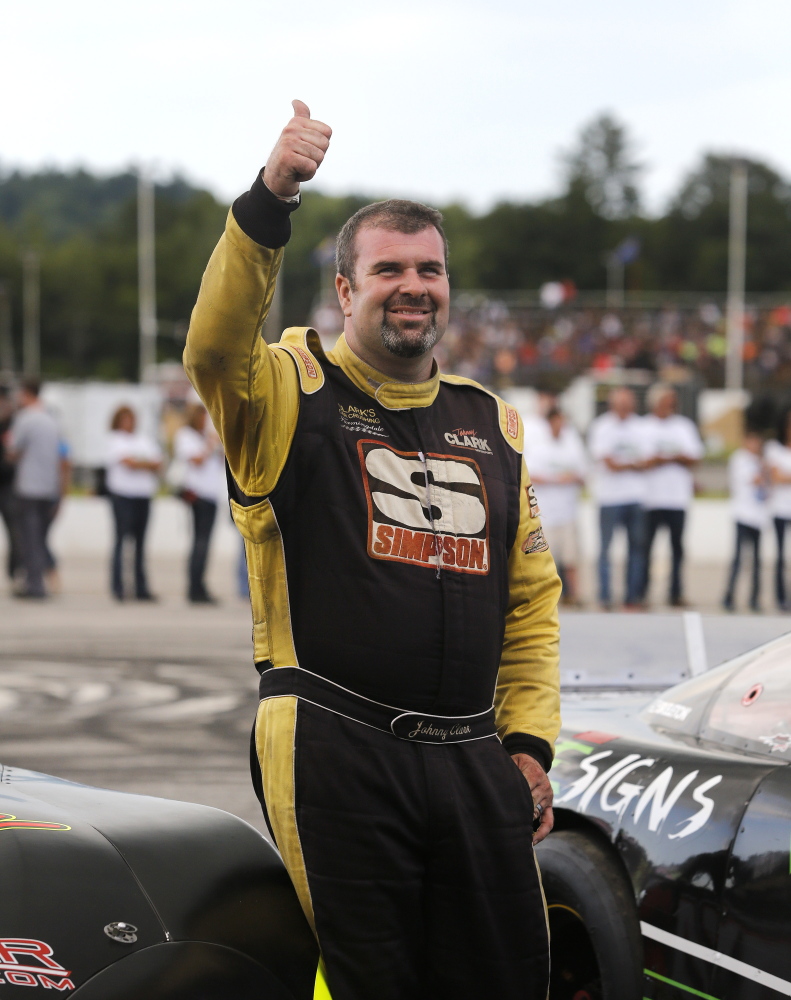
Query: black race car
point(111, 896)
point(668, 874)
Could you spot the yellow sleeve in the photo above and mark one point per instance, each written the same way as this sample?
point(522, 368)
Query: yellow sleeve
point(251, 390)
point(527, 699)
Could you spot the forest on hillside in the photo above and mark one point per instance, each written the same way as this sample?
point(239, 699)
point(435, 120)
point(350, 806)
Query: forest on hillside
point(85, 230)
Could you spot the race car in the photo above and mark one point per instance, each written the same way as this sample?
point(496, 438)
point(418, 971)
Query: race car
point(112, 896)
point(668, 874)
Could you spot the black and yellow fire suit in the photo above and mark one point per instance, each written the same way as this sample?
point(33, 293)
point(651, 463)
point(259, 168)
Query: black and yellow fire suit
point(394, 548)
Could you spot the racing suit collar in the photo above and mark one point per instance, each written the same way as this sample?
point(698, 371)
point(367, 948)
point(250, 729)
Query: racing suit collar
point(391, 393)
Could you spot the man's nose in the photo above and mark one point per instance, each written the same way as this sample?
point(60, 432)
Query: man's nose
point(412, 283)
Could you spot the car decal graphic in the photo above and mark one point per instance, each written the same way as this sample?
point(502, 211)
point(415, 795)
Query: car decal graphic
point(716, 958)
point(594, 736)
point(678, 985)
point(779, 743)
point(656, 794)
point(46, 972)
point(9, 822)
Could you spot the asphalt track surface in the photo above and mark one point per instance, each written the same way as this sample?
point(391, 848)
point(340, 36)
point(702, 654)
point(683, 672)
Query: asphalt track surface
point(159, 699)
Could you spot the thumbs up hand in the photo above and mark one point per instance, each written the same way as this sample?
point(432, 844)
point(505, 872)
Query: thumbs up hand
point(297, 153)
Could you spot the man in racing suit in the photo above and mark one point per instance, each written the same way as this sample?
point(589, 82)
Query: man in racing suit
point(404, 605)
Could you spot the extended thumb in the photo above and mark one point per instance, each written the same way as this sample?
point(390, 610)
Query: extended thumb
point(301, 110)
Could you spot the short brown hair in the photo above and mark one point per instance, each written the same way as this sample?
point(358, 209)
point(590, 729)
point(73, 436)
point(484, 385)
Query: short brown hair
point(397, 215)
point(32, 386)
point(118, 416)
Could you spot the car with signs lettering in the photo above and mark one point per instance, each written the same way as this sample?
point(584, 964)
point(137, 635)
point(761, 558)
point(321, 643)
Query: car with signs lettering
point(112, 896)
point(667, 875)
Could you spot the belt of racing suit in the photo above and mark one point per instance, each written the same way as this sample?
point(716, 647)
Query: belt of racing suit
point(416, 727)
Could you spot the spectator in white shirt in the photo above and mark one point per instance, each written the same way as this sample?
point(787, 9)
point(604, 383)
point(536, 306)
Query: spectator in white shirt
point(198, 447)
point(676, 448)
point(557, 463)
point(618, 445)
point(133, 464)
point(747, 477)
point(778, 460)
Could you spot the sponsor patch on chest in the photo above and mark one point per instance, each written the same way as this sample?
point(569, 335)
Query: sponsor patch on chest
point(465, 437)
point(361, 420)
point(426, 510)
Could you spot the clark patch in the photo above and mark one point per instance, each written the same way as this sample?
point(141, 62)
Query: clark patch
point(535, 542)
point(532, 499)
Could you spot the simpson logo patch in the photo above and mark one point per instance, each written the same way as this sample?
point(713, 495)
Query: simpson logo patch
point(401, 508)
point(535, 542)
point(310, 368)
point(511, 422)
point(532, 499)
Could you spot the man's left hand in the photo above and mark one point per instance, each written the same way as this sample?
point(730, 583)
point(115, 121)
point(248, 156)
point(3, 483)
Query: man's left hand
point(541, 790)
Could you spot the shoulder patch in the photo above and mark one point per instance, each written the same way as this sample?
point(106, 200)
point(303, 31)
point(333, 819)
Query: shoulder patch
point(510, 421)
point(304, 346)
point(535, 542)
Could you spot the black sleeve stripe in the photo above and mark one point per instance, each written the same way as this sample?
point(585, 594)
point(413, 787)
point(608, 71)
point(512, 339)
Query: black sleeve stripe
point(262, 216)
point(533, 746)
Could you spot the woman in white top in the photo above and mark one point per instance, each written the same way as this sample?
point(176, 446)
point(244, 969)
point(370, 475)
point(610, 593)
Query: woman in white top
point(748, 485)
point(778, 460)
point(133, 461)
point(557, 464)
point(197, 446)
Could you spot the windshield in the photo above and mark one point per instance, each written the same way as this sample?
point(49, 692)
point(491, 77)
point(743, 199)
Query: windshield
point(743, 704)
point(752, 711)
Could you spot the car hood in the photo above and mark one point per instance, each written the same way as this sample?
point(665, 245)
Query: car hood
point(77, 859)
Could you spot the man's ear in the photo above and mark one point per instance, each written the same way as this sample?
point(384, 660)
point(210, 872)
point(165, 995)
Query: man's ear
point(344, 290)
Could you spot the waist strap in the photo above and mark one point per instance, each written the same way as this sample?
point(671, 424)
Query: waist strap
point(416, 727)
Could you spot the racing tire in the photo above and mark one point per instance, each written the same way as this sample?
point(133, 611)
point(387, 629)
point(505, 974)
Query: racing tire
point(596, 946)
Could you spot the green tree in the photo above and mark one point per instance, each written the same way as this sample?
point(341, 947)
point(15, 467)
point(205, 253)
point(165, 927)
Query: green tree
point(691, 247)
point(603, 169)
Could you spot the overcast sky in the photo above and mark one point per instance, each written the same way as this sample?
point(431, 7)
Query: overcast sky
point(430, 98)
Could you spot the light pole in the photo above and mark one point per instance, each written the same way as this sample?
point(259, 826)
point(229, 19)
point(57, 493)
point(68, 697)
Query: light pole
point(737, 253)
point(146, 275)
point(6, 343)
point(31, 309)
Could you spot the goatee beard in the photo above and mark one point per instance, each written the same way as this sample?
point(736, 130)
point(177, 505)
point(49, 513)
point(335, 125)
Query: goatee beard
point(407, 345)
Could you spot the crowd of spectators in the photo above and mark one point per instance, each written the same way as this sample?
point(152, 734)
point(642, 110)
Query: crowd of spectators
point(35, 473)
point(503, 344)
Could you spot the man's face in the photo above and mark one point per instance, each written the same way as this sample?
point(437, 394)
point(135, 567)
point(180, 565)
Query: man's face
point(622, 403)
point(401, 299)
point(666, 405)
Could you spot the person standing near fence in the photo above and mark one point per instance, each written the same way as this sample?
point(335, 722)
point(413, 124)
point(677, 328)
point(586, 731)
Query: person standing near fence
point(35, 449)
point(198, 448)
point(7, 482)
point(558, 465)
point(747, 477)
point(619, 447)
point(133, 464)
point(676, 448)
point(778, 460)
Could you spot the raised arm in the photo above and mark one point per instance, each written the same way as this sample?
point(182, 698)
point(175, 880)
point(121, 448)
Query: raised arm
point(250, 390)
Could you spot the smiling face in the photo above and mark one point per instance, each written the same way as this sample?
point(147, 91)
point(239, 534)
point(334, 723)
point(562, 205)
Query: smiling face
point(398, 308)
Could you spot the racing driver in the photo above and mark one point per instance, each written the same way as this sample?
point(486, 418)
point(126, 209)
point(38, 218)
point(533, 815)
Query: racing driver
point(404, 604)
